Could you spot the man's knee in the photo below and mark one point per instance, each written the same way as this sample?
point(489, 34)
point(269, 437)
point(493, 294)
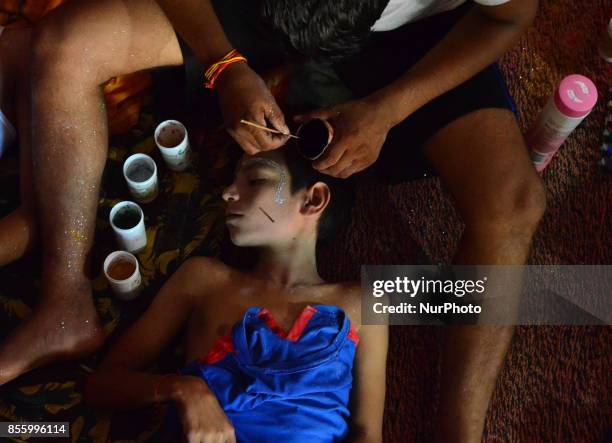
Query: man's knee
point(61, 48)
point(515, 208)
point(89, 42)
point(55, 51)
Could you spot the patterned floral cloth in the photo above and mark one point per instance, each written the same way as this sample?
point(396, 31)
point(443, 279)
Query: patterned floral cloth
point(185, 219)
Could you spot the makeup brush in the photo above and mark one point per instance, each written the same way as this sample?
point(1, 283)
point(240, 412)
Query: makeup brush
point(265, 128)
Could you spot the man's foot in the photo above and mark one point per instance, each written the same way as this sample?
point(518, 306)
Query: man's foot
point(63, 328)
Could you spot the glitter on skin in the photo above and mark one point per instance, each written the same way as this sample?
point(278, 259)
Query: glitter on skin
point(77, 236)
point(278, 197)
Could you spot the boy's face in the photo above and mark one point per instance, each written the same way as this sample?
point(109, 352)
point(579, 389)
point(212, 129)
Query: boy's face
point(261, 211)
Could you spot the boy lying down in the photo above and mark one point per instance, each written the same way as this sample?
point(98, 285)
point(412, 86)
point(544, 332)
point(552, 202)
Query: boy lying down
point(273, 354)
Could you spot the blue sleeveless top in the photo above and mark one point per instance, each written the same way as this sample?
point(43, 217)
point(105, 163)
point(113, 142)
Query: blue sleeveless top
point(290, 387)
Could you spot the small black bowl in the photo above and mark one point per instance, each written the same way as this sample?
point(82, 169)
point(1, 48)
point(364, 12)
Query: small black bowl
point(314, 138)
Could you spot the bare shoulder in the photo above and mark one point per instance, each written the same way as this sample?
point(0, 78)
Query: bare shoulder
point(350, 290)
point(199, 274)
point(348, 296)
point(202, 263)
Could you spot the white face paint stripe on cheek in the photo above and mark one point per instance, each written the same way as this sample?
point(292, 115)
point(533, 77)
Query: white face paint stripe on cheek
point(282, 180)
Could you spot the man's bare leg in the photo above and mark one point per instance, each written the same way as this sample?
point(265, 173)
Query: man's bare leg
point(18, 229)
point(76, 49)
point(501, 200)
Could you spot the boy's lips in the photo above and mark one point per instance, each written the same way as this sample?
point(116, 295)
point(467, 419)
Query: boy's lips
point(229, 216)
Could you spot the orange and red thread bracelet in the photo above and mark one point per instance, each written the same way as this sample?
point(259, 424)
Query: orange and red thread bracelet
point(213, 72)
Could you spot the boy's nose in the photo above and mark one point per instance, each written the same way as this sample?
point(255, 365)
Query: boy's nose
point(230, 193)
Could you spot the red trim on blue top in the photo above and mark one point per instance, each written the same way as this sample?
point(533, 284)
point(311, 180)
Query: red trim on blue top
point(266, 316)
point(298, 327)
point(352, 335)
point(300, 323)
point(222, 347)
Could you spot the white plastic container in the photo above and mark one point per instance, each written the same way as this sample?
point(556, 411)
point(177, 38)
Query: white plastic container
point(123, 274)
point(173, 142)
point(127, 220)
point(570, 104)
point(140, 172)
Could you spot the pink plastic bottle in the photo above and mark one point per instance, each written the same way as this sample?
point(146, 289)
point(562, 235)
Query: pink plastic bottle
point(571, 103)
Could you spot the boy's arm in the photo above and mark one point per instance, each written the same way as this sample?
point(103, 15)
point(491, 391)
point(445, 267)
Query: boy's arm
point(118, 384)
point(368, 396)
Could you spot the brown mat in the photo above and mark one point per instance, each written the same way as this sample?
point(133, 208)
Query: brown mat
point(556, 382)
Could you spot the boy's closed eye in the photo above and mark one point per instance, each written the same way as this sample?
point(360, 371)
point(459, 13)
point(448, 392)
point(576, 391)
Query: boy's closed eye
point(257, 181)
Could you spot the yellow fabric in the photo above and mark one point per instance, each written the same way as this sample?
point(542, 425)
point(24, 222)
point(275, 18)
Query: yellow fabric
point(124, 95)
point(19, 13)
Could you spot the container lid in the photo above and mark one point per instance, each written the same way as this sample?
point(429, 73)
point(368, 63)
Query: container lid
point(576, 96)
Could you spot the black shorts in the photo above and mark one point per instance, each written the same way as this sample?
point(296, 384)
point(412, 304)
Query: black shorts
point(385, 57)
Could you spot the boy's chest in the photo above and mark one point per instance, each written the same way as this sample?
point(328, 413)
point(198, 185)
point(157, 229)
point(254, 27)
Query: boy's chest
point(215, 319)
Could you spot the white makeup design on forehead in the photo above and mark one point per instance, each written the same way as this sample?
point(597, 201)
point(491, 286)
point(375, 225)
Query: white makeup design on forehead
point(282, 180)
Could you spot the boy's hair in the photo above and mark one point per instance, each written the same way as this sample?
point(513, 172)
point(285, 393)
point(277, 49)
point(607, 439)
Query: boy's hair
point(338, 211)
point(322, 29)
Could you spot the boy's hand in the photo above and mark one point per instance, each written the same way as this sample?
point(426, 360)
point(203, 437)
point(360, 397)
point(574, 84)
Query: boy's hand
point(203, 419)
point(360, 129)
point(244, 95)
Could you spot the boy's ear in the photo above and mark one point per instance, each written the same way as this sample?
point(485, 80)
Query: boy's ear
point(317, 199)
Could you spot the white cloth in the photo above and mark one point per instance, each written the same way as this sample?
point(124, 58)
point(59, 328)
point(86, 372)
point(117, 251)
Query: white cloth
point(400, 12)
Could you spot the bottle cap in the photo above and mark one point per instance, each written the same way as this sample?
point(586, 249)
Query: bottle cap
point(576, 96)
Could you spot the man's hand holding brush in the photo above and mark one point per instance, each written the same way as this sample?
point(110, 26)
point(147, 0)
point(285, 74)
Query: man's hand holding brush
point(243, 95)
